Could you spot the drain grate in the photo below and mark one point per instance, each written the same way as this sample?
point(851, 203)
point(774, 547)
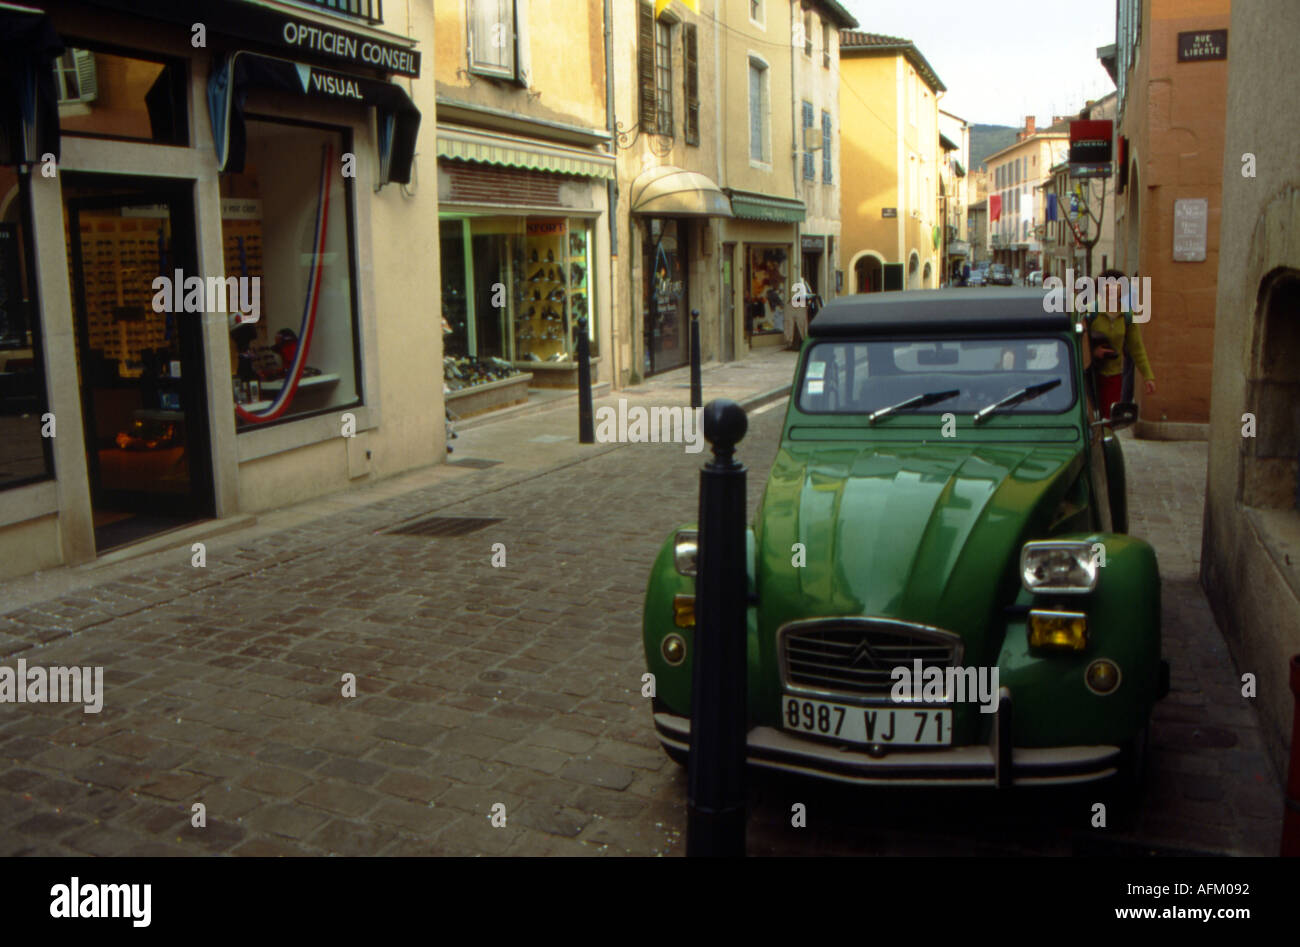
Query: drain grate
point(444, 526)
point(478, 463)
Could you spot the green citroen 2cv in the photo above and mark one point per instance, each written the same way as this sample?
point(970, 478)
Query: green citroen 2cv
point(941, 587)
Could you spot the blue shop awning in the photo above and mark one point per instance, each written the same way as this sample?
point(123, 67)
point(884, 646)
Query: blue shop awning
point(399, 119)
point(29, 102)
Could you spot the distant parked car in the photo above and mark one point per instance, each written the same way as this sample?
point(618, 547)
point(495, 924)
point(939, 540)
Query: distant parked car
point(1035, 278)
point(999, 275)
point(978, 276)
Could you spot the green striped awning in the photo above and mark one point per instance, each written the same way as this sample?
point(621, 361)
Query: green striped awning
point(781, 210)
point(463, 144)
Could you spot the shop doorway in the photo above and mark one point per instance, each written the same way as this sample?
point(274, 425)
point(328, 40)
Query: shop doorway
point(664, 312)
point(143, 389)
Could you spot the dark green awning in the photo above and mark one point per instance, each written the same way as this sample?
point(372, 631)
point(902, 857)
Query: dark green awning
point(780, 210)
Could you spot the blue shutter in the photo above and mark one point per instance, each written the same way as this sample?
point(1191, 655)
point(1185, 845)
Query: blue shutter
point(809, 163)
point(827, 175)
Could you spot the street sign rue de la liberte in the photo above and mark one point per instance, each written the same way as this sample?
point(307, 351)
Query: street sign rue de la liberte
point(1202, 45)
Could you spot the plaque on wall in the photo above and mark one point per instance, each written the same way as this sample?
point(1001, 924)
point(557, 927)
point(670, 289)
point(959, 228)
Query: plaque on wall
point(1191, 219)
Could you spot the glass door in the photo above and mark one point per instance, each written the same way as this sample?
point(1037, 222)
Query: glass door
point(139, 354)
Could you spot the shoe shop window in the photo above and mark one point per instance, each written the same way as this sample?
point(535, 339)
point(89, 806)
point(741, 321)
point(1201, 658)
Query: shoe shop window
point(287, 236)
point(513, 289)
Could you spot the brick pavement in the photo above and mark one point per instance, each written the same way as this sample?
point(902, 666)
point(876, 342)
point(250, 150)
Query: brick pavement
point(518, 686)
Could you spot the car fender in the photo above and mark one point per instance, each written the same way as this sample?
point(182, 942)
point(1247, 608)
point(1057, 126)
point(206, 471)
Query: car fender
point(673, 682)
point(1053, 704)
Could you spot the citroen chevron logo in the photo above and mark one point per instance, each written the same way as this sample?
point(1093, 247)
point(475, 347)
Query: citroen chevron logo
point(863, 653)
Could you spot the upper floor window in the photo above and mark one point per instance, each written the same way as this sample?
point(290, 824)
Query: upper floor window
point(807, 34)
point(756, 12)
point(664, 77)
point(759, 147)
point(498, 41)
point(826, 45)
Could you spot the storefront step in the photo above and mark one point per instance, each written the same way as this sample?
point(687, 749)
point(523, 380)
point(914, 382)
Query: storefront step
point(172, 539)
point(539, 399)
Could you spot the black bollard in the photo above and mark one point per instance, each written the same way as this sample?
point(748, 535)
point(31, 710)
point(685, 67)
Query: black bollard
point(715, 821)
point(586, 424)
point(697, 395)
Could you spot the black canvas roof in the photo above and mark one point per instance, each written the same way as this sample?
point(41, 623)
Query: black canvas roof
point(964, 309)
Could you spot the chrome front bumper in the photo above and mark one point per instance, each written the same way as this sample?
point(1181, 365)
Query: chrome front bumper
point(770, 748)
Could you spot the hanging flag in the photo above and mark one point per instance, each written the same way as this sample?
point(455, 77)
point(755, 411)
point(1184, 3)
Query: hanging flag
point(1051, 207)
point(662, 5)
point(995, 207)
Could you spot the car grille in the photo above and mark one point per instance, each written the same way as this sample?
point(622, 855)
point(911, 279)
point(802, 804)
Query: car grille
point(857, 656)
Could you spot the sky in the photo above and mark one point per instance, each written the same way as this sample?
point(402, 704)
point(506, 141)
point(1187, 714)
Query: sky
point(1005, 59)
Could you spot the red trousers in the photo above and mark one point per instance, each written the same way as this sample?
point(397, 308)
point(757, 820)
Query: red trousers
point(1109, 390)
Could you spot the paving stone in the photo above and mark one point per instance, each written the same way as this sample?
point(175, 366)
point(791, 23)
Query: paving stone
point(339, 797)
point(598, 773)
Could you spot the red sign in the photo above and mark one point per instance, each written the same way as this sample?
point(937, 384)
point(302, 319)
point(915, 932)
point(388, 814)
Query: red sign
point(1090, 141)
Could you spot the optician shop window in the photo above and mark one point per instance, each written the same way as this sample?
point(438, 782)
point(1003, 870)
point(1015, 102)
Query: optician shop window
point(25, 455)
point(288, 236)
point(513, 290)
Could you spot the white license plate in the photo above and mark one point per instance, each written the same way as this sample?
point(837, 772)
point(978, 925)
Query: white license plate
point(889, 725)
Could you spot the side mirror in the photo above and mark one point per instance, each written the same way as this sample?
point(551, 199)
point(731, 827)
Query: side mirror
point(1122, 414)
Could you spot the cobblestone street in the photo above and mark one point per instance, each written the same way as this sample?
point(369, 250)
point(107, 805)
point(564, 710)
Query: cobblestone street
point(518, 685)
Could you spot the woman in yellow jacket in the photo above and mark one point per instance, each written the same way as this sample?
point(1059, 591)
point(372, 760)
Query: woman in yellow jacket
point(1113, 333)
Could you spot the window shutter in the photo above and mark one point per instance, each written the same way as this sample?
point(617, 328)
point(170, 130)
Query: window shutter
point(523, 63)
point(827, 165)
point(692, 86)
point(645, 65)
point(809, 163)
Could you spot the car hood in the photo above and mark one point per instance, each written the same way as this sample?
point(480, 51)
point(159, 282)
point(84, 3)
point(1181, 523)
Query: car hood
point(928, 533)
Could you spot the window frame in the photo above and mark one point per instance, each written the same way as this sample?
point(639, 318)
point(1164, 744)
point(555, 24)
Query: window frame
point(663, 72)
point(354, 268)
point(761, 20)
point(180, 89)
point(517, 69)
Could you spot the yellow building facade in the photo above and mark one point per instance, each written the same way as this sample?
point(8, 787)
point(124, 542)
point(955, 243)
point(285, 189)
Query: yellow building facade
point(892, 163)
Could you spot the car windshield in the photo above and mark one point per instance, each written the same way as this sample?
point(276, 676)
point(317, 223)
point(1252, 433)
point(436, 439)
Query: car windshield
point(861, 377)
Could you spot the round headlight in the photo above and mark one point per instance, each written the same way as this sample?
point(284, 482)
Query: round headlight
point(1102, 676)
point(674, 649)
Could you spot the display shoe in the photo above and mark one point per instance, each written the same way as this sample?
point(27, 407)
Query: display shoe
point(533, 258)
point(556, 295)
point(578, 273)
point(559, 275)
point(536, 277)
point(537, 295)
point(550, 256)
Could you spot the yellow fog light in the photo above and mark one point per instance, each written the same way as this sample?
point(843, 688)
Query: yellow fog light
point(1060, 631)
point(674, 649)
point(684, 611)
point(1102, 676)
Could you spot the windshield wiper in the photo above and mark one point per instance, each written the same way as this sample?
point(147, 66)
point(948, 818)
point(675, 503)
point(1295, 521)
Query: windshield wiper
point(1024, 394)
point(920, 401)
